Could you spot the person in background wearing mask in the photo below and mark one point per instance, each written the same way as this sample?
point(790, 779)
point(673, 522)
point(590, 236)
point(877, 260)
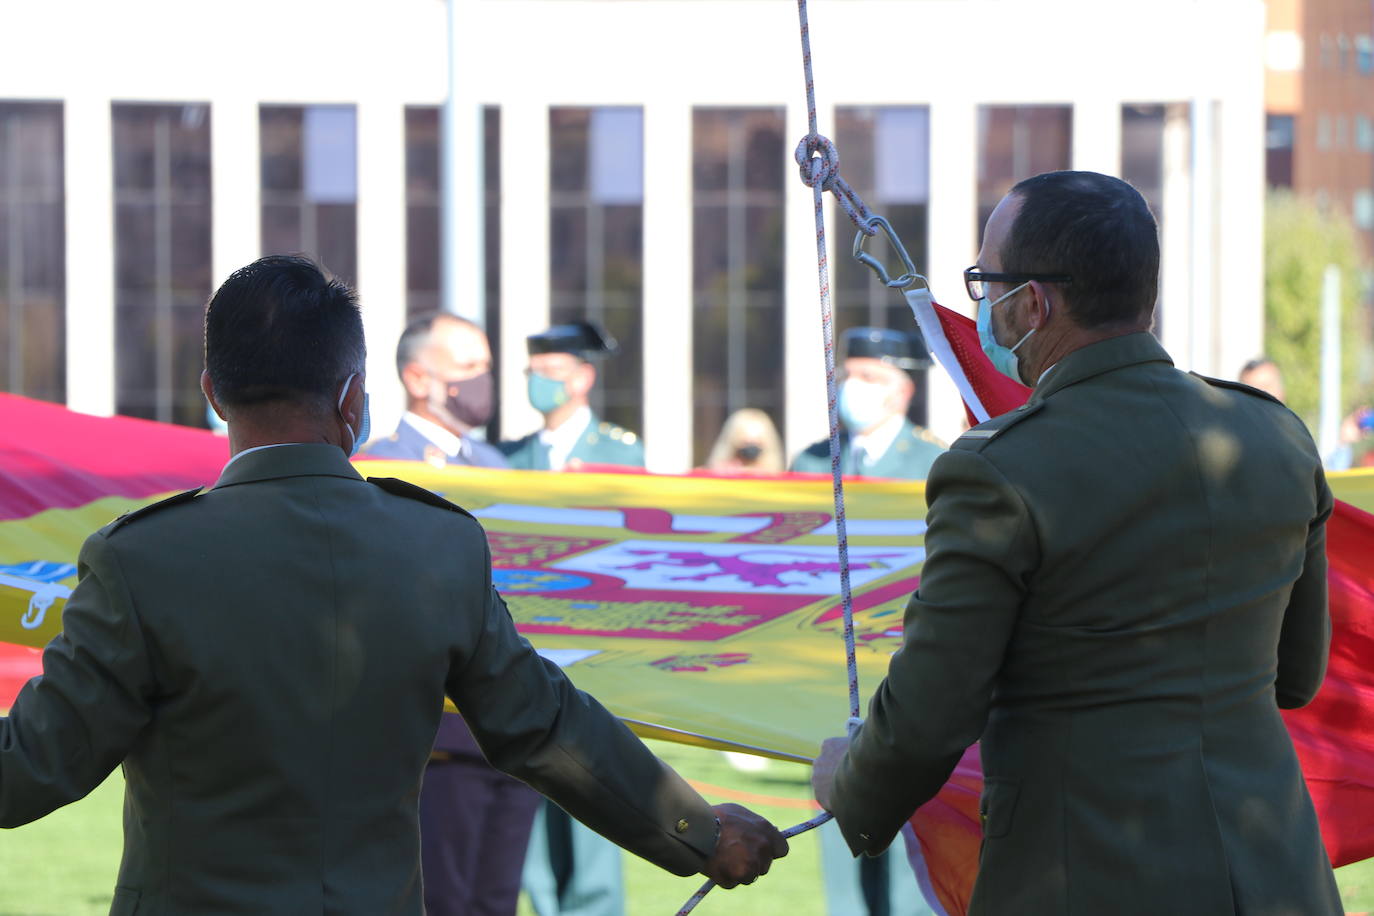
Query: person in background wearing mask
point(748, 444)
point(445, 365)
point(570, 870)
point(561, 376)
point(877, 440)
point(475, 820)
point(1124, 584)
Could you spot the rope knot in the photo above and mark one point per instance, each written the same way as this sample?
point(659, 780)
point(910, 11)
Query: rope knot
point(818, 160)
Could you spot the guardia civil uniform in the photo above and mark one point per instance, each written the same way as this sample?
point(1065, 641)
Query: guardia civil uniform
point(910, 456)
point(883, 885)
point(569, 870)
point(1125, 581)
point(584, 437)
point(908, 451)
point(268, 659)
point(598, 442)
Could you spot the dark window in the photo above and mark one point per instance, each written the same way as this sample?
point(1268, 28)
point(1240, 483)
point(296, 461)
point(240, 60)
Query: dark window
point(33, 263)
point(885, 154)
point(424, 220)
point(162, 259)
point(424, 208)
point(1278, 150)
point(310, 184)
point(739, 159)
point(1016, 142)
point(596, 242)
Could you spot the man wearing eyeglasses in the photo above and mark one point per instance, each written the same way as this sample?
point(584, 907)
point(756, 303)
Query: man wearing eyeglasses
point(1125, 581)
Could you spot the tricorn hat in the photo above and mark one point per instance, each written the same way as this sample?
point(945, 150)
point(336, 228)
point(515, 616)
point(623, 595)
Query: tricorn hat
point(896, 348)
point(580, 338)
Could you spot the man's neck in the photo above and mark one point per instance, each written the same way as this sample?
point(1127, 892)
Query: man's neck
point(245, 435)
point(563, 413)
point(1059, 342)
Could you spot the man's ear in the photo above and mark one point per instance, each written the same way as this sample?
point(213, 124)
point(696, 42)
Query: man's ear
point(583, 379)
point(416, 381)
point(1038, 305)
point(352, 407)
point(208, 389)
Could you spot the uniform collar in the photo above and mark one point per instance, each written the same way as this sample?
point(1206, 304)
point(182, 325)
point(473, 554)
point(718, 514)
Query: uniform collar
point(875, 444)
point(564, 439)
point(1097, 358)
point(302, 459)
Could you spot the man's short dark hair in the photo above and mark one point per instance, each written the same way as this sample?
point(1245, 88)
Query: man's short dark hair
point(1096, 229)
point(416, 334)
point(1259, 362)
point(281, 330)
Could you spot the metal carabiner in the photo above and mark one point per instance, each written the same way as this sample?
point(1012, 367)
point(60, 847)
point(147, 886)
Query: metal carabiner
point(863, 257)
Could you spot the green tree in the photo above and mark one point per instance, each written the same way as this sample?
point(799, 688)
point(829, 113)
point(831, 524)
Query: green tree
point(1300, 240)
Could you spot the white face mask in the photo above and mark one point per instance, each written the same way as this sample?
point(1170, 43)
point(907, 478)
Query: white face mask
point(862, 404)
point(365, 428)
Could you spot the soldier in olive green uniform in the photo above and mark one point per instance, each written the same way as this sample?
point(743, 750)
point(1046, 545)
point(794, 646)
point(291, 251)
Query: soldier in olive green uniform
point(561, 376)
point(1125, 582)
point(877, 439)
point(268, 659)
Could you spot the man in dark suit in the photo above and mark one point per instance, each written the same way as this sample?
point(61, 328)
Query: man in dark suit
point(268, 659)
point(445, 366)
point(1125, 580)
point(474, 820)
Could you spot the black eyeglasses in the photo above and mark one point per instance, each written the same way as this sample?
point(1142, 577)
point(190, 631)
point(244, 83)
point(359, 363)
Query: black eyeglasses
point(975, 280)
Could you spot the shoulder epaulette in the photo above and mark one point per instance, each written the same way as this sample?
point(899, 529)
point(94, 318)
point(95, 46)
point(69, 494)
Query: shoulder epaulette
point(149, 509)
point(1236, 386)
point(984, 433)
point(397, 487)
point(925, 435)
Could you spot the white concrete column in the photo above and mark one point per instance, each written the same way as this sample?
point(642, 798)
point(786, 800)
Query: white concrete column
point(382, 251)
point(1238, 280)
point(1200, 356)
point(462, 151)
point(806, 418)
point(1097, 135)
point(524, 253)
point(235, 187)
point(667, 315)
point(953, 236)
point(89, 174)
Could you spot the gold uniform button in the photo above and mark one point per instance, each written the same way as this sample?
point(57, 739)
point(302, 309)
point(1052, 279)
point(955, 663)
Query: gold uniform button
point(682, 826)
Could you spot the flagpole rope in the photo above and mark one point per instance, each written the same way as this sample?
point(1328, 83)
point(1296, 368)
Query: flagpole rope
point(819, 165)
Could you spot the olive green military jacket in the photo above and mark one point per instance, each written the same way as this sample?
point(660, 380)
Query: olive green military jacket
point(600, 443)
point(268, 659)
point(909, 457)
point(1125, 580)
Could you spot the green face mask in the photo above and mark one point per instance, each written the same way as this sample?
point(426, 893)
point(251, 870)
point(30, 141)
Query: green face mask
point(546, 395)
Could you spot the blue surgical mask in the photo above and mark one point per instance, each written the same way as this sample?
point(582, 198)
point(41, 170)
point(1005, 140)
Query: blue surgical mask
point(546, 394)
point(862, 404)
point(365, 428)
point(1004, 359)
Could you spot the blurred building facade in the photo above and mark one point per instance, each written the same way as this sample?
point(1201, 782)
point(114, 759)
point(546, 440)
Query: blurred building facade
point(1319, 105)
point(625, 161)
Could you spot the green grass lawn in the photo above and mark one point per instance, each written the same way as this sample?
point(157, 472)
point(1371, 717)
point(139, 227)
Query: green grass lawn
point(64, 865)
